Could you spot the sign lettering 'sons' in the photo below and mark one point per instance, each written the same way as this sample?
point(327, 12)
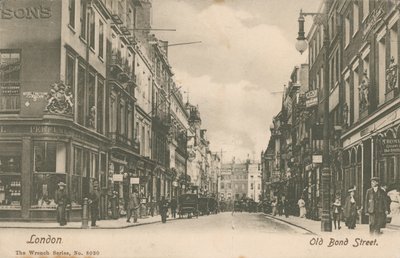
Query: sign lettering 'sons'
point(30, 12)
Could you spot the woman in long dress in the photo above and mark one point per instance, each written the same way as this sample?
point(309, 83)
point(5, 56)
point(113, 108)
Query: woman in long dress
point(350, 210)
point(302, 206)
point(394, 196)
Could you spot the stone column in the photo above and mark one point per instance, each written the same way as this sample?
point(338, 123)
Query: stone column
point(26, 167)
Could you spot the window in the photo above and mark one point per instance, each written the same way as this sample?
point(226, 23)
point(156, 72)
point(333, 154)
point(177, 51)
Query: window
point(70, 72)
point(101, 39)
point(365, 8)
point(103, 169)
point(80, 95)
point(130, 122)
point(10, 174)
point(49, 157)
point(222, 185)
point(10, 68)
point(143, 141)
point(83, 18)
point(92, 29)
point(382, 70)
point(355, 17)
point(100, 105)
point(347, 32)
point(356, 102)
point(122, 117)
point(71, 8)
point(114, 114)
point(49, 169)
point(91, 104)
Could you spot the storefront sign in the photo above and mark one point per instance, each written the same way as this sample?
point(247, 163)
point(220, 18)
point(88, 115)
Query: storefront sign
point(118, 177)
point(391, 146)
point(34, 95)
point(311, 98)
point(29, 12)
point(317, 159)
point(134, 180)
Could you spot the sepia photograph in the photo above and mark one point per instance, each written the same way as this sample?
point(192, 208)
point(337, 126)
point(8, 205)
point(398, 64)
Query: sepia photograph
point(199, 128)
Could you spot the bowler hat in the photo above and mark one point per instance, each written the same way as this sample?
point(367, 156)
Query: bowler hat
point(352, 189)
point(62, 184)
point(375, 178)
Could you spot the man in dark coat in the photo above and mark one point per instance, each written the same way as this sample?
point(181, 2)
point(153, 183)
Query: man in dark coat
point(163, 209)
point(174, 205)
point(133, 206)
point(62, 200)
point(94, 203)
point(375, 206)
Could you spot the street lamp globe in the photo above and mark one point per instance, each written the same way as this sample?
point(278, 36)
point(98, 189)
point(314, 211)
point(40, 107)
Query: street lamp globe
point(301, 45)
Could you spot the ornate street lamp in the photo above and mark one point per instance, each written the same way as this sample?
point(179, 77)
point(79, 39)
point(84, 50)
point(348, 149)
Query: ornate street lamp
point(301, 46)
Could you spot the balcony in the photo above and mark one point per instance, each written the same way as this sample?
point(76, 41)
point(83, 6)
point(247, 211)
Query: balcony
point(117, 13)
point(122, 141)
point(116, 61)
point(126, 72)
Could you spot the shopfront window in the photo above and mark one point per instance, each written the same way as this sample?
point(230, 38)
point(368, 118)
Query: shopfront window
point(10, 175)
point(45, 186)
point(49, 157)
point(49, 169)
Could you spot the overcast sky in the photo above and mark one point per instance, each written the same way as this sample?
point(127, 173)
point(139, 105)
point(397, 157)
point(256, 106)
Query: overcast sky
point(246, 56)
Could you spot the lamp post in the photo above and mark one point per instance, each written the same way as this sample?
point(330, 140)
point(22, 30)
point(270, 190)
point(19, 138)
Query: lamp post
point(301, 46)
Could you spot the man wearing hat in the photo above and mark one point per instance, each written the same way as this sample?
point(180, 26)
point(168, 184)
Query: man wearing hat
point(62, 200)
point(94, 201)
point(375, 206)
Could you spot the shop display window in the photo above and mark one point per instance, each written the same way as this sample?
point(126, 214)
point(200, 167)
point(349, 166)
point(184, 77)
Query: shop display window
point(10, 175)
point(49, 170)
point(10, 163)
point(10, 191)
point(49, 157)
point(45, 186)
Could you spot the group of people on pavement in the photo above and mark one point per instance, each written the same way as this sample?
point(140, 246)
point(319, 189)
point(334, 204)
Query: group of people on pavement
point(280, 206)
point(133, 205)
point(378, 203)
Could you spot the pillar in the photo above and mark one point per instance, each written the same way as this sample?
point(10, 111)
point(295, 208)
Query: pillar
point(26, 178)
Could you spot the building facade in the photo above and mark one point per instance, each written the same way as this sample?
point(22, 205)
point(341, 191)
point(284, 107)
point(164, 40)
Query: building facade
point(85, 98)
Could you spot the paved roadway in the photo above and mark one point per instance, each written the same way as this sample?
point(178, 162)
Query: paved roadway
point(241, 235)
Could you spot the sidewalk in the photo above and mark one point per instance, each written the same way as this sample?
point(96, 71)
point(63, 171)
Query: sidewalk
point(101, 224)
point(314, 226)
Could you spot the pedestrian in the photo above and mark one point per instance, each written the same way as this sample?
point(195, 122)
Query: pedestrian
point(163, 209)
point(375, 206)
point(273, 205)
point(114, 201)
point(63, 202)
point(337, 210)
point(174, 205)
point(279, 206)
point(286, 206)
point(302, 207)
point(350, 209)
point(394, 196)
point(94, 200)
point(133, 206)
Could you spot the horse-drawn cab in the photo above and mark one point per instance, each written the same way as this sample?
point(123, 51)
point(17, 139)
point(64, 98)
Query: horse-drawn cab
point(188, 204)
